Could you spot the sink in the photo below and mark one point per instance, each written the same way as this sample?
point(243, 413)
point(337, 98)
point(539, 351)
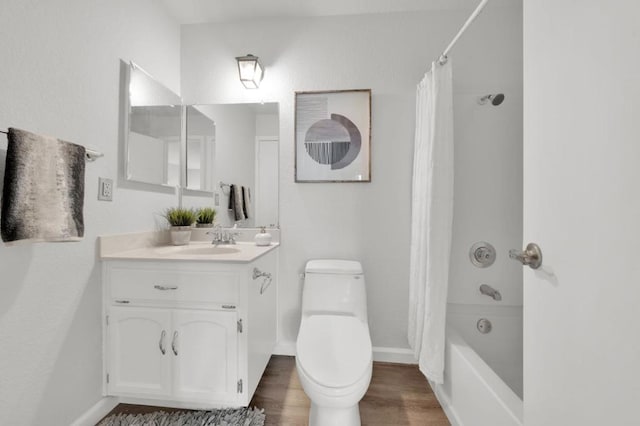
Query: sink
point(202, 249)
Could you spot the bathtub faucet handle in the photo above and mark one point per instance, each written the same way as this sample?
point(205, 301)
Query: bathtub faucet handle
point(531, 256)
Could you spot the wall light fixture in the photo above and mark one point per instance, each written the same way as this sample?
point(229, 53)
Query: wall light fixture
point(250, 70)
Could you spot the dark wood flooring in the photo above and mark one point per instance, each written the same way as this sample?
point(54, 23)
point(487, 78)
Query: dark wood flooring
point(399, 395)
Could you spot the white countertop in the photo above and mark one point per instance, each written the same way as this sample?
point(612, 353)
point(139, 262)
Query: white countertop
point(151, 246)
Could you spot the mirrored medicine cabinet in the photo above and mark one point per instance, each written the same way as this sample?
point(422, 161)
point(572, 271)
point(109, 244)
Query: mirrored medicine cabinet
point(203, 149)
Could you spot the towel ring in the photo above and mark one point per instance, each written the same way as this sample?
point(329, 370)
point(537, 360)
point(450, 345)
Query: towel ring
point(226, 188)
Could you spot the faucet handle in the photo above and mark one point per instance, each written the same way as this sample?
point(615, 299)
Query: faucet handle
point(232, 236)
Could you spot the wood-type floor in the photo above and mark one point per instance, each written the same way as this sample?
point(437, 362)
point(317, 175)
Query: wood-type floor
point(398, 396)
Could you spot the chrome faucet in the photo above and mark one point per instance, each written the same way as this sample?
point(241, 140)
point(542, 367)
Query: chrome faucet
point(222, 236)
point(487, 290)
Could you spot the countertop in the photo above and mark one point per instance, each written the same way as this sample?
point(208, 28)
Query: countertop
point(151, 246)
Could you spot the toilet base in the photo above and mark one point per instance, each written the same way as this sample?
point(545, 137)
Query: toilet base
point(332, 416)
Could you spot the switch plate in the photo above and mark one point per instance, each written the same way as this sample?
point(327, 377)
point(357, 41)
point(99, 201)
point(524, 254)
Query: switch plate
point(105, 189)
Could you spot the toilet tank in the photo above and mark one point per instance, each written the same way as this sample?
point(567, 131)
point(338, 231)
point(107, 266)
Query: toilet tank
point(333, 286)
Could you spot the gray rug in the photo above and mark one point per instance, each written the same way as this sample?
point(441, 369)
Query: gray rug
point(226, 417)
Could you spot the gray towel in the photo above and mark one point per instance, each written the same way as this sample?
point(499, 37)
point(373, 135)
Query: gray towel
point(245, 202)
point(236, 206)
point(43, 192)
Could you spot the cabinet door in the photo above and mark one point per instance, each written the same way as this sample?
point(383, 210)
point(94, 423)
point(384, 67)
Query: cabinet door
point(139, 346)
point(204, 346)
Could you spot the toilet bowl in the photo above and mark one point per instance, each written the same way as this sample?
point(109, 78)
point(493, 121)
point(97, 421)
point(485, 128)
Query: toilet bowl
point(333, 350)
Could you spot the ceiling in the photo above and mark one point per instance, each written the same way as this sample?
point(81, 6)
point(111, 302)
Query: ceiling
point(200, 11)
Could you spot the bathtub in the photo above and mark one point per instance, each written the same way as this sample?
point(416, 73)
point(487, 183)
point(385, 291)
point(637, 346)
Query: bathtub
point(483, 372)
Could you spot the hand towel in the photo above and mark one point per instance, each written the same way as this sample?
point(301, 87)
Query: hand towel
point(245, 202)
point(235, 202)
point(43, 192)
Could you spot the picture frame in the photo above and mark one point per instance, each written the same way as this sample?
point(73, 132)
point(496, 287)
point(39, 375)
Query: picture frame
point(333, 136)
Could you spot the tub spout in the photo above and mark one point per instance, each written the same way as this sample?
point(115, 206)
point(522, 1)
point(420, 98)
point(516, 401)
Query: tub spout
point(491, 292)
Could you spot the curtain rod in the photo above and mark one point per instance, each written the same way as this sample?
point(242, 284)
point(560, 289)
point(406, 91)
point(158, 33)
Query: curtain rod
point(90, 154)
point(443, 58)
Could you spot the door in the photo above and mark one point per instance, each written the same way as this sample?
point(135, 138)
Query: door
point(138, 362)
point(582, 206)
point(204, 347)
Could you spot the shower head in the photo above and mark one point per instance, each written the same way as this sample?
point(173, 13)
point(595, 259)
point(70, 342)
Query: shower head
point(496, 99)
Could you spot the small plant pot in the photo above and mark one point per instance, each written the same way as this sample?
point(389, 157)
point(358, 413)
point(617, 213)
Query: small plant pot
point(180, 235)
point(204, 225)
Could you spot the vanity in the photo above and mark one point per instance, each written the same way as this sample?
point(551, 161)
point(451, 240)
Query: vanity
point(190, 326)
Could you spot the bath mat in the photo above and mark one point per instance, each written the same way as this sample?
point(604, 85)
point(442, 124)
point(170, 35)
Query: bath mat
point(225, 417)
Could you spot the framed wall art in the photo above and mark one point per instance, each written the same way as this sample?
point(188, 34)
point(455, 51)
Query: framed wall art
point(333, 136)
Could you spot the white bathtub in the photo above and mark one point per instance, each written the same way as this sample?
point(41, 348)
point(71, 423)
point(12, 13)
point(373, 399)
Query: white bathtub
point(473, 392)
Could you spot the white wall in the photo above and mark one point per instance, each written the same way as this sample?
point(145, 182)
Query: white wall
point(60, 75)
point(389, 54)
point(581, 92)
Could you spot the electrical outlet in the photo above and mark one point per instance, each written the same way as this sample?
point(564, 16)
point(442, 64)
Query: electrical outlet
point(105, 189)
point(216, 199)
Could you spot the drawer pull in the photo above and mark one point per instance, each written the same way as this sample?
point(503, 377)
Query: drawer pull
point(161, 342)
point(165, 287)
point(122, 301)
point(228, 306)
point(174, 343)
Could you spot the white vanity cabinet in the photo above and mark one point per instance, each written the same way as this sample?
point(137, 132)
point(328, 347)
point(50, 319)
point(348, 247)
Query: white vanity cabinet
point(195, 334)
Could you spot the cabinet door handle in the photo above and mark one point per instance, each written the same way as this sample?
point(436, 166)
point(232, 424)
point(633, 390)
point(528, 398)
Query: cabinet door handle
point(161, 342)
point(165, 287)
point(174, 343)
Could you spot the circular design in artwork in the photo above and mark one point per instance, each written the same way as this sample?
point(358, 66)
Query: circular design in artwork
point(335, 141)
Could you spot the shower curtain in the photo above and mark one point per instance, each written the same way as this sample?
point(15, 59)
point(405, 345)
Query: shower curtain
point(431, 220)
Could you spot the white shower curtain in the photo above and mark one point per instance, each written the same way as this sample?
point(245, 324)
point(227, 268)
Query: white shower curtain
point(431, 220)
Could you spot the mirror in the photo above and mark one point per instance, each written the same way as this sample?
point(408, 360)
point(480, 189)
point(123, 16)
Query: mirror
point(244, 145)
point(154, 125)
point(203, 148)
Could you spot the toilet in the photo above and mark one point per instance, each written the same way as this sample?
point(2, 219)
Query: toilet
point(333, 350)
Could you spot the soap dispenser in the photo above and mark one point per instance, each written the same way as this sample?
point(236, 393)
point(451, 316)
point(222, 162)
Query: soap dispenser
point(263, 238)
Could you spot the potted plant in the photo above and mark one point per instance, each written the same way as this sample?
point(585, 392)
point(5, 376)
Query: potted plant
point(205, 217)
point(180, 220)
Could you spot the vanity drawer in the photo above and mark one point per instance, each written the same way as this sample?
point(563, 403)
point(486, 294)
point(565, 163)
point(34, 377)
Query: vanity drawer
point(135, 285)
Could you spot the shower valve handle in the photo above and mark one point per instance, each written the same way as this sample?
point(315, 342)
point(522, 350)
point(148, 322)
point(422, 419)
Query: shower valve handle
point(531, 256)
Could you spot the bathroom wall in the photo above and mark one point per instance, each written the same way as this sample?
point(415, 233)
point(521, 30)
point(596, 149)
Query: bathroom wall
point(388, 53)
point(60, 75)
point(488, 161)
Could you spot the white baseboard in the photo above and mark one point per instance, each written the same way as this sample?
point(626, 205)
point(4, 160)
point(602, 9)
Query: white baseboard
point(94, 414)
point(380, 353)
point(285, 348)
point(445, 403)
point(395, 355)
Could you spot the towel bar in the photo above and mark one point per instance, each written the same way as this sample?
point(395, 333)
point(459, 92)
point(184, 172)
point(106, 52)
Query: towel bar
point(89, 153)
point(225, 186)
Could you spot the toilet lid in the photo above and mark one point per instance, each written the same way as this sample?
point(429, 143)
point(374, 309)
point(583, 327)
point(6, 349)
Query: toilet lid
point(335, 351)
